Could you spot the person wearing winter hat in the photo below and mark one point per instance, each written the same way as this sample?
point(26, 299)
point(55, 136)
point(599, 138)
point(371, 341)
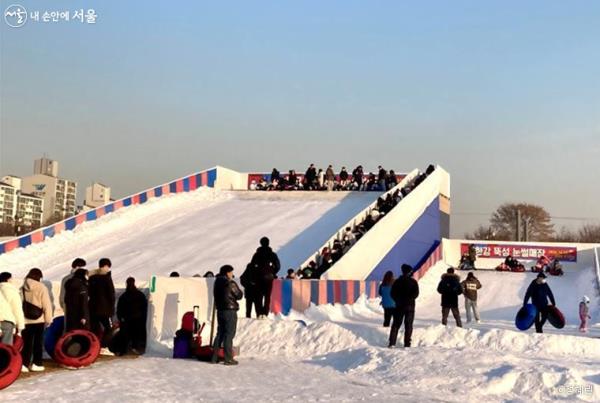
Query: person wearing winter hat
point(539, 292)
point(405, 291)
point(470, 287)
point(450, 288)
point(226, 295)
point(584, 313)
point(12, 320)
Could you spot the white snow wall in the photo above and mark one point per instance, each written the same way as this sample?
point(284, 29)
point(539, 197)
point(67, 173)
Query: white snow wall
point(405, 235)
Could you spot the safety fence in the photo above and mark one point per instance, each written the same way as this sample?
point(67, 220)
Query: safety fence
point(298, 295)
point(185, 184)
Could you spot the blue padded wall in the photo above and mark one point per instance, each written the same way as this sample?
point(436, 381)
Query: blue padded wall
point(414, 244)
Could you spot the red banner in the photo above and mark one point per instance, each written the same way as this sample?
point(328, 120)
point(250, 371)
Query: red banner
point(527, 252)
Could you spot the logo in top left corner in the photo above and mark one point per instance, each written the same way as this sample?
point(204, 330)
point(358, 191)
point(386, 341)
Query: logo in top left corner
point(15, 15)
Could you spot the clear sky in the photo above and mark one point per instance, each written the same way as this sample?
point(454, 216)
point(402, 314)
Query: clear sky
point(505, 95)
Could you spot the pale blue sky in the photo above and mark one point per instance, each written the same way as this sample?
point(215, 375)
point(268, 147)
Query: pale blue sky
point(505, 95)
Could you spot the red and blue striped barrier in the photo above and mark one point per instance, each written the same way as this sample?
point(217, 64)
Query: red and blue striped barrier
point(185, 184)
point(297, 295)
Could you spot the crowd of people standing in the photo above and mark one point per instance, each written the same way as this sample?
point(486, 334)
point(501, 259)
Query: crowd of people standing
point(88, 301)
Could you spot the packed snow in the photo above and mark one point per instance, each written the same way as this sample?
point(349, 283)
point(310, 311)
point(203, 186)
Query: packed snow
point(338, 353)
point(194, 232)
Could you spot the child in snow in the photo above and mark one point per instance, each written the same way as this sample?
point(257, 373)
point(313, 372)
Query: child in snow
point(387, 302)
point(584, 313)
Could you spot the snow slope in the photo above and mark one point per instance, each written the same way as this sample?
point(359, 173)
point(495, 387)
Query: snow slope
point(340, 355)
point(195, 232)
point(502, 294)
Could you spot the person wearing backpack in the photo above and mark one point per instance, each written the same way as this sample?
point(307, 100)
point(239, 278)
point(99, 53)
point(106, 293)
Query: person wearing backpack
point(266, 263)
point(450, 288)
point(38, 315)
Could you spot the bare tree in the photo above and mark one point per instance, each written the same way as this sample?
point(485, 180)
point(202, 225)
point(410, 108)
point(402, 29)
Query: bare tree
point(566, 235)
point(537, 225)
point(484, 233)
point(589, 233)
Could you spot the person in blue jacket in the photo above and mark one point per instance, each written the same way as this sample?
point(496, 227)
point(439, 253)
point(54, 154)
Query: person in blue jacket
point(540, 292)
point(388, 304)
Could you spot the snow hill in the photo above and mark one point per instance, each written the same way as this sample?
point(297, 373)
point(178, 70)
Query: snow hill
point(195, 232)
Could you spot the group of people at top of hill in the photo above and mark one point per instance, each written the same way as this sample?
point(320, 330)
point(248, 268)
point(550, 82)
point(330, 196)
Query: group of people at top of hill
point(328, 256)
point(327, 179)
point(398, 299)
point(87, 300)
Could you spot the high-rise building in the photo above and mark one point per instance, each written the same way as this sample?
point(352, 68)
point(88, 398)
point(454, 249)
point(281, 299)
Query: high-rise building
point(30, 211)
point(58, 194)
point(8, 203)
point(45, 166)
point(96, 195)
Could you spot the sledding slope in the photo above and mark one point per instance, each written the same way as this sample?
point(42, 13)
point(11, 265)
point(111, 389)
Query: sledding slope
point(195, 232)
point(502, 295)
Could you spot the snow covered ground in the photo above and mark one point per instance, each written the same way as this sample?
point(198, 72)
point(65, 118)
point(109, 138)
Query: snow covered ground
point(339, 353)
point(345, 359)
point(195, 232)
point(328, 353)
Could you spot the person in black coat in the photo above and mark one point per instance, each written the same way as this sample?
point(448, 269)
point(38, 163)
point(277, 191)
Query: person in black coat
point(249, 280)
point(310, 177)
point(77, 315)
point(266, 263)
point(226, 296)
point(382, 178)
point(357, 177)
point(450, 289)
point(539, 291)
point(132, 310)
point(102, 299)
point(405, 291)
point(275, 176)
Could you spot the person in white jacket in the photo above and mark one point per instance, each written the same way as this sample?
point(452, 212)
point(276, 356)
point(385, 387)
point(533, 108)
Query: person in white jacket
point(35, 293)
point(11, 309)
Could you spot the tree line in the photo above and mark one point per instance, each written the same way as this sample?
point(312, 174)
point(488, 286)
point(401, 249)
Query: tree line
point(530, 222)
